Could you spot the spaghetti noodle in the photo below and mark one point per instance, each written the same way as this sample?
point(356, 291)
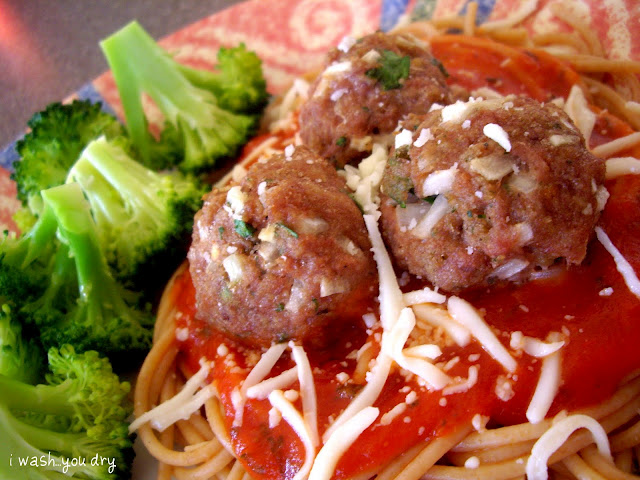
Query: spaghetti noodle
point(454, 432)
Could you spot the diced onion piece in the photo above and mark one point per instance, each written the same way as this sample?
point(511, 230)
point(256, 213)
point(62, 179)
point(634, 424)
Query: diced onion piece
point(439, 181)
point(234, 266)
point(409, 215)
point(236, 199)
point(492, 167)
point(437, 211)
point(268, 233)
point(297, 297)
point(331, 286)
point(509, 269)
point(312, 226)
point(522, 183)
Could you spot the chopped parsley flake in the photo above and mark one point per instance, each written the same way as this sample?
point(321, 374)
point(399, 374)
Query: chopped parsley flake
point(440, 66)
point(341, 142)
point(287, 229)
point(392, 70)
point(243, 229)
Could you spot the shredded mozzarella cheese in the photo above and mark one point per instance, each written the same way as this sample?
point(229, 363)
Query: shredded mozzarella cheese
point(308, 391)
point(182, 405)
point(256, 375)
point(622, 265)
point(546, 389)
point(335, 447)
point(293, 418)
point(553, 439)
point(464, 313)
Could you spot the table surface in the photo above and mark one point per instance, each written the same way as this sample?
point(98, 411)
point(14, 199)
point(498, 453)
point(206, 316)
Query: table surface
point(48, 49)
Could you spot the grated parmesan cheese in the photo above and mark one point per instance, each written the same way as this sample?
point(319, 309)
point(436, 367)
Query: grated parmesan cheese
point(496, 133)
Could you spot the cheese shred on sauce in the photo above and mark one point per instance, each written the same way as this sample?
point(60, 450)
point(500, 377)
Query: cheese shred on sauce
point(557, 435)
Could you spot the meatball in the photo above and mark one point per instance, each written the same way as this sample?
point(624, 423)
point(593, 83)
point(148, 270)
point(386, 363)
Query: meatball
point(490, 190)
point(365, 89)
point(284, 255)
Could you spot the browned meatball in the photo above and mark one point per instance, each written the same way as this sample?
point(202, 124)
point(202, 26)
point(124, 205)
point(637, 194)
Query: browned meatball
point(365, 89)
point(284, 255)
point(513, 187)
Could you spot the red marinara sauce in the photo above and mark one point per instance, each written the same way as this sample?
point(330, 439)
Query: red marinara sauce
point(590, 303)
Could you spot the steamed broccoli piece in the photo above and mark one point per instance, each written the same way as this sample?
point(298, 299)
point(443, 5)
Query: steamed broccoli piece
point(57, 277)
point(102, 315)
point(57, 136)
point(26, 262)
point(204, 127)
point(20, 358)
point(238, 82)
point(72, 426)
point(144, 218)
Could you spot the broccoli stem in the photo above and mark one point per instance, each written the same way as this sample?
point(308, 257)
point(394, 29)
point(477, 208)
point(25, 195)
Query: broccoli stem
point(35, 241)
point(206, 129)
point(46, 399)
point(161, 81)
point(44, 439)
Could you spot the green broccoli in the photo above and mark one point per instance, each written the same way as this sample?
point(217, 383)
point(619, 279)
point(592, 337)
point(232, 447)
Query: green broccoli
point(61, 282)
point(26, 262)
point(72, 426)
point(196, 115)
point(57, 136)
point(144, 218)
point(238, 82)
point(20, 358)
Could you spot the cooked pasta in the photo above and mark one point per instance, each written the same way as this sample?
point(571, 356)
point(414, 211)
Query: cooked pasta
point(395, 420)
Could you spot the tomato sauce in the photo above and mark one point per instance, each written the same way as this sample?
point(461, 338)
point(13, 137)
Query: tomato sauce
point(589, 303)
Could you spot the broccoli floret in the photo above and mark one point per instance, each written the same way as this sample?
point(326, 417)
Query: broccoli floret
point(238, 82)
point(20, 358)
point(72, 426)
point(103, 314)
point(206, 129)
point(58, 277)
point(26, 262)
point(57, 136)
point(144, 218)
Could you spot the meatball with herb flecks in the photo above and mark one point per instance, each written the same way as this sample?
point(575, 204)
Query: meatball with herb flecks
point(367, 86)
point(283, 255)
point(490, 190)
